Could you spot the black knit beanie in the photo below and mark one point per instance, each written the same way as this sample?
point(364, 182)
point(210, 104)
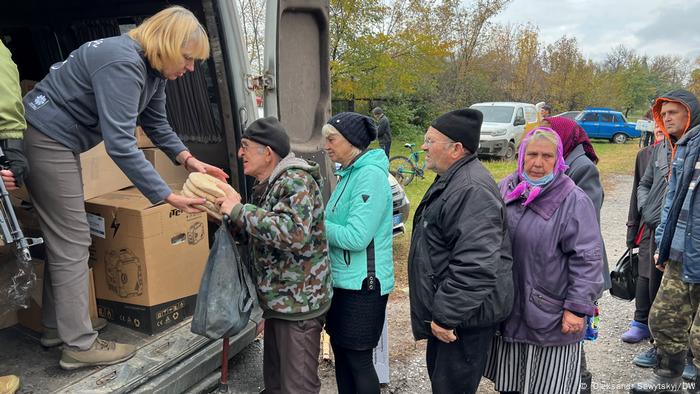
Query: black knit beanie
point(269, 132)
point(358, 129)
point(462, 125)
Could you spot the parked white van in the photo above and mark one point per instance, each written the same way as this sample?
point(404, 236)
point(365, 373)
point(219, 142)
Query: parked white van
point(504, 125)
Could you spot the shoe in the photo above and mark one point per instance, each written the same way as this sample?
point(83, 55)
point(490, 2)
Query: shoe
point(100, 353)
point(50, 338)
point(689, 372)
point(636, 333)
point(666, 377)
point(646, 359)
point(9, 384)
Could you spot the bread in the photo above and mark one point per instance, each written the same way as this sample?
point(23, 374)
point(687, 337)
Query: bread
point(206, 183)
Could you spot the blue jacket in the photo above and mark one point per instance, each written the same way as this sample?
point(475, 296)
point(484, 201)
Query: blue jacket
point(359, 223)
point(679, 189)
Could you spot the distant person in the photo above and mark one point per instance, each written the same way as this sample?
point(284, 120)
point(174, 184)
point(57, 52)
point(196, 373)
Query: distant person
point(383, 130)
point(558, 277)
point(459, 263)
point(673, 318)
point(545, 111)
point(359, 230)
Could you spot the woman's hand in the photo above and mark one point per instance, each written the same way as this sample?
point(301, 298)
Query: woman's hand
point(571, 324)
point(192, 164)
point(8, 178)
point(227, 203)
point(184, 203)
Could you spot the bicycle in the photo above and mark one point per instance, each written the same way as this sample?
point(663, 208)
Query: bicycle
point(404, 169)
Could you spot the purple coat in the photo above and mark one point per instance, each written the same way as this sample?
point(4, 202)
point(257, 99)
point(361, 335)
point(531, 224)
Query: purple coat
point(557, 261)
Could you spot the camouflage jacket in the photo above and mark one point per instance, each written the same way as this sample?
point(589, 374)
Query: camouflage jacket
point(286, 230)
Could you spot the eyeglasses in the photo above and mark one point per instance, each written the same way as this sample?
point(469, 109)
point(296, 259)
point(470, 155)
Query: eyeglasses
point(247, 147)
point(429, 142)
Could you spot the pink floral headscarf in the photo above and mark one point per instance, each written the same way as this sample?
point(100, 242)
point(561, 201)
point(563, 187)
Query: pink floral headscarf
point(523, 188)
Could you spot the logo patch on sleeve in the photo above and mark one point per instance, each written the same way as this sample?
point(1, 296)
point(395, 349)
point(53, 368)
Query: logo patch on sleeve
point(365, 197)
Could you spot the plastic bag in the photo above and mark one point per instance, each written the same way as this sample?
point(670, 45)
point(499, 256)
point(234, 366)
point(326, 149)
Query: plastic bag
point(593, 325)
point(17, 279)
point(226, 294)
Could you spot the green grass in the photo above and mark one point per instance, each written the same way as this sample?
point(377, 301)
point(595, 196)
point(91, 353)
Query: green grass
point(613, 160)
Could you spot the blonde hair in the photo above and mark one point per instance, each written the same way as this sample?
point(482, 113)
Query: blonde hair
point(163, 35)
point(328, 130)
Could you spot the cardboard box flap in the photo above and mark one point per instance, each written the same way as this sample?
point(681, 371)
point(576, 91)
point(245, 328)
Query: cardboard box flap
point(130, 198)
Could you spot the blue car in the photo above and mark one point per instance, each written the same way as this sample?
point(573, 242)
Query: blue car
point(608, 124)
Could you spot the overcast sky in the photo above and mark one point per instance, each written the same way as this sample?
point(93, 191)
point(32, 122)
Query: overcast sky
point(660, 27)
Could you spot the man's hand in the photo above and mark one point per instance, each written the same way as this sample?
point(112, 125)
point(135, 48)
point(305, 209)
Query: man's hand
point(571, 324)
point(443, 334)
point(194, 165)
point(184, 203)
point(227, 203)
point(660, 267)
point(8, 178)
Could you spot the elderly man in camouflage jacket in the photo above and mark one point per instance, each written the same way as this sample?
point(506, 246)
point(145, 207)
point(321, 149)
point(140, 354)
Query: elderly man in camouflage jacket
point(285, 228)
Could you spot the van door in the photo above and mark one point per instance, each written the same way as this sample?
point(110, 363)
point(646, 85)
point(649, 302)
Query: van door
point(297, 76)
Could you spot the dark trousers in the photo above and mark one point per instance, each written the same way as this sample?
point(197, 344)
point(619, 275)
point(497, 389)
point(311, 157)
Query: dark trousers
point(457, 367)
point(290, 356)
point(645, 295)
point(354, 371)
point(387, 148)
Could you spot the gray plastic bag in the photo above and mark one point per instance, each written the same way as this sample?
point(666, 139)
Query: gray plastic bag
point(226, 294)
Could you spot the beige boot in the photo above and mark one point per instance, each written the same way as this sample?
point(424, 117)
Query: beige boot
point(100, 353)
point(50, 338)
point(9, 384)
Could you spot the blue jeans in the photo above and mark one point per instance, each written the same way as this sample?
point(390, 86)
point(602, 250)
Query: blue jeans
point(457, 367)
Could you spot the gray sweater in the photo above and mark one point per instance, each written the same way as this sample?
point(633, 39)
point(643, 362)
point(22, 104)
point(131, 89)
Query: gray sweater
point(97, 94)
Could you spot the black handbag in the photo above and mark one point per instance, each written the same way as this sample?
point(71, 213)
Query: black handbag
point(624, 276)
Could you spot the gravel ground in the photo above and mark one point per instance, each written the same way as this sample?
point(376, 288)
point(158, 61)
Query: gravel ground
point(609, 359)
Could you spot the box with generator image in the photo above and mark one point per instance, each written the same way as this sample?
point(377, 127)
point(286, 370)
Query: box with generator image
point(147, 259)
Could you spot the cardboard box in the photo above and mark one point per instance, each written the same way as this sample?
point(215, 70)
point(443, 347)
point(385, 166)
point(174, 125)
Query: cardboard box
point(170, 173)
point(31, 317)
point(142, 139)
point(148, 260)
point(100, 175)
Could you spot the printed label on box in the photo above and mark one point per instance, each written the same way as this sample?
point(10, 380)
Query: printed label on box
point(97, 225)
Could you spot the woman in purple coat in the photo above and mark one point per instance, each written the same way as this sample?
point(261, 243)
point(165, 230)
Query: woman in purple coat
point(557, 273)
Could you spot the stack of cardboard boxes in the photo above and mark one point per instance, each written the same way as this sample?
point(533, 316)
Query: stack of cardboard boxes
point(147, 259)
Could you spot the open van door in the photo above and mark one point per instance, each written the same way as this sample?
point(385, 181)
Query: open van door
point(297, 76)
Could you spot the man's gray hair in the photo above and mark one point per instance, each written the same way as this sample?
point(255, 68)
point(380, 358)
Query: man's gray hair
point(377, 111)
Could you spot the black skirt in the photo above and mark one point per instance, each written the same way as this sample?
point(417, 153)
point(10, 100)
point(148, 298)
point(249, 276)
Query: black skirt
point(356, 317)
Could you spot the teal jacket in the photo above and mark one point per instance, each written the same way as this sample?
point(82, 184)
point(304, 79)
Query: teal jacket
point(359, 223)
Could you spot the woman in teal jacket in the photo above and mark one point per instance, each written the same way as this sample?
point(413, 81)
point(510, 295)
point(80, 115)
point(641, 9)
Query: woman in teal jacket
point(359, 232)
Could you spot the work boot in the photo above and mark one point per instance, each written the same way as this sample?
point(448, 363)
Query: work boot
point(50, 338)
point(100, 353)
point(666, 377)
point(9, 384)
point(646, 359)
point(636, 333)
point(585, 385)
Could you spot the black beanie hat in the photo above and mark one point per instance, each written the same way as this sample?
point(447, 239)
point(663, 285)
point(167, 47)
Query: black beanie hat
point(358, 129)
point(269, 132)
point(461, 125)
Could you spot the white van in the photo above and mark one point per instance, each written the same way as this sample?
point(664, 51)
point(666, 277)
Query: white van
point(504, 125)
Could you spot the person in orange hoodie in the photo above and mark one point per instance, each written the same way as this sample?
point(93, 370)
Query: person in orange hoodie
point(673, 320)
